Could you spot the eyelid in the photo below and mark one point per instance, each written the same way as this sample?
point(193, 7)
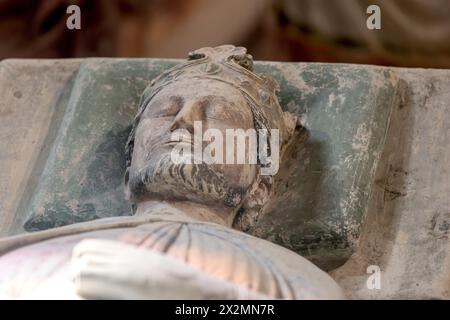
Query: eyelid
point(166, 113)
point(213, 108)
point(175, 105)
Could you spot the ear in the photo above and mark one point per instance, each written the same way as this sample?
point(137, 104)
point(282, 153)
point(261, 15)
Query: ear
point(253, 204)
point(126, 186)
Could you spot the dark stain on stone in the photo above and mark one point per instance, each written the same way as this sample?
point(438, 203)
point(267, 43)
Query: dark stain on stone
point(393, 194)
point(404, 94)
point(103, 173)
point(107, 168)
point(59, 214)
point(431, 89)
point(440, 226)
point(18, 94)
point(394, 185)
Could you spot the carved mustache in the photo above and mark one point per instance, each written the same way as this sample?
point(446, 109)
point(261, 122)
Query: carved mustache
point(167, 139)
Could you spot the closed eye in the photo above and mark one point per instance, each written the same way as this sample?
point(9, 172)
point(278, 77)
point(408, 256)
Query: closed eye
point(170, 108)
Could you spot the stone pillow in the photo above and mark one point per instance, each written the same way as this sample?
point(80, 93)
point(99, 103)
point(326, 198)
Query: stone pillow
point(317, 212)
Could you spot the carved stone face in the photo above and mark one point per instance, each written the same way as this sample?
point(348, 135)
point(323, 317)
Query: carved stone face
point(153, 174)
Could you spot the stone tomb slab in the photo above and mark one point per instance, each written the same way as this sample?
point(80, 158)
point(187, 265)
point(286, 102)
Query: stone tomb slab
point(62, 146)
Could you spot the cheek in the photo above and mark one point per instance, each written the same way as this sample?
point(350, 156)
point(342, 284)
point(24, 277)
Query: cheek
point(148, 133)
point(241, 175)
point(153, 129)
point(232, 116)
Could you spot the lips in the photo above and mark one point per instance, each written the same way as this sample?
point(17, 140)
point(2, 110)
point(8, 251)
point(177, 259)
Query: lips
point(170, 143)
point(182, 139)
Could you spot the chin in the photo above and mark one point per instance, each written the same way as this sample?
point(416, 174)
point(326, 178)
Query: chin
point(200, 183)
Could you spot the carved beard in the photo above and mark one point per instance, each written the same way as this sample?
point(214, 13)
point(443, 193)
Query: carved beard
point(195, 182)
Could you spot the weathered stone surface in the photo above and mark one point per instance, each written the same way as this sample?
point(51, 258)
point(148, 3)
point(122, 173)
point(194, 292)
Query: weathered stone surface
point(406, 232)
point(83, 177)
point(406, 228)
point(317, 213)
point(34, 96)
point(346, 108)
point(180, 243)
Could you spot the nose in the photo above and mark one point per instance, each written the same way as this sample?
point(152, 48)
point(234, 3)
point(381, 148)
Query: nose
point(192, 111)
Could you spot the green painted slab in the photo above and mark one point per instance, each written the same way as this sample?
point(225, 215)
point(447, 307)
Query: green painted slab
point(318, 212)
point(82, 179)
point(346, 108)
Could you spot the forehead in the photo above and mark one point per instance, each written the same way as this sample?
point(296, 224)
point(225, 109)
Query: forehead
point(188, 89)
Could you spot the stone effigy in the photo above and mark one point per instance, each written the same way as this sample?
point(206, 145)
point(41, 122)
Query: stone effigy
point(180, 243)
point(64, 163)
point(64, 124)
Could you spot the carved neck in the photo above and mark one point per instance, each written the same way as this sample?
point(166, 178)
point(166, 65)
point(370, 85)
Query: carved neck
point(186, 209)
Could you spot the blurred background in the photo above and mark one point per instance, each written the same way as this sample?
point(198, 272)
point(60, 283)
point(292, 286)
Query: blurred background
point(413, 33)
